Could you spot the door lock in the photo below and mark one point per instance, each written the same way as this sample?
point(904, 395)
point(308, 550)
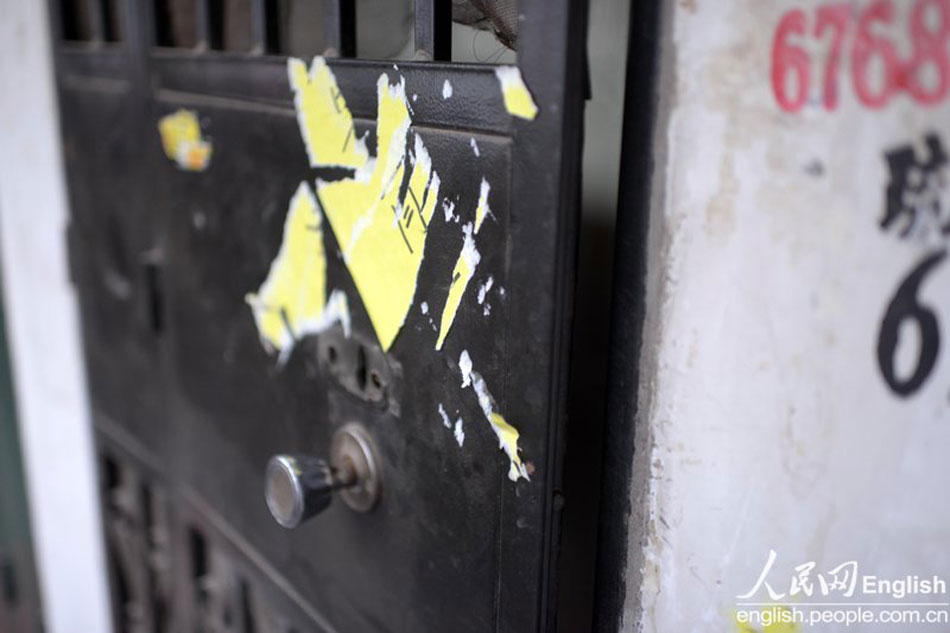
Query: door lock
point(298, 487)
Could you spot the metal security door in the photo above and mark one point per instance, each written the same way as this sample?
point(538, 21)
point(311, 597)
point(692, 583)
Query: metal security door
point(283, 256)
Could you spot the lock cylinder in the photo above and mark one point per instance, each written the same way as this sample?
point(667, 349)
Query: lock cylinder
point(298, 487)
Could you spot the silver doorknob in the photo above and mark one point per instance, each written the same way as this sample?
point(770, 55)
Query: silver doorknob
point(299, 486)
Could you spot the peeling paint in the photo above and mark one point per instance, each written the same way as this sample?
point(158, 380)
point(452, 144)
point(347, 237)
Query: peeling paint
point(461, 275)
point(381, 233)
point(448, 210)
point(465, 366)
point(182, 140)
point(465, 265)
point(458, 429)
point(506, 433)
point(518, 100)
point(445, 417)
point(482, 210)
point(484, 288)
point(292, 301)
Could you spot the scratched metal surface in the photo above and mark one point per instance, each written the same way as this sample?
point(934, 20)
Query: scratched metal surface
point(188, 405)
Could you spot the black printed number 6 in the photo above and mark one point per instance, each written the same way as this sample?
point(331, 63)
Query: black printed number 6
point(903, 306)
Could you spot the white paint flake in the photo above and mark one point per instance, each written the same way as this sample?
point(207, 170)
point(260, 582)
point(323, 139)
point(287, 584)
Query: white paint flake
point(445, 417)
point(448, 209)
point(484, 288)
point(465, 365)
point(469, 251)
point(337, 310)
point(482, 210)
point(475, 148)
point(424, 307)
point(459, 432)
point(446, 89)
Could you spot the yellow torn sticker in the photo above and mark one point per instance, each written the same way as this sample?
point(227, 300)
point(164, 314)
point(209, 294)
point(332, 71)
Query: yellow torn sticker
point(507, 434)
point(182, 141)
point(462, 273)
point(465, 266)
point(325, 122)
point(518, 100)
point(292, 301)
point(381, 235)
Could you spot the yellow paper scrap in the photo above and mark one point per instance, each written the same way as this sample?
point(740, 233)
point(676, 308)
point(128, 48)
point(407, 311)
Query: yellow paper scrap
point(381, 234)
point(462, 273)
point(465, 266)
point(325, 122)
point(507, 434)
point(518, 100)
point(182, 141)
point(292, 301)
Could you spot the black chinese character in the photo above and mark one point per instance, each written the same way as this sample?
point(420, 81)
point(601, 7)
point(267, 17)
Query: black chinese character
point(917, 190)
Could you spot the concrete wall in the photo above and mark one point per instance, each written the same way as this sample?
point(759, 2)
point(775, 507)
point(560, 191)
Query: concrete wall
point(43, 331)
point(766, 420)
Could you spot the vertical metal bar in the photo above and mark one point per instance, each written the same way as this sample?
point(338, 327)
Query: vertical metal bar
point(339, 22)
point(434, 29)
point(207, 24)
point(96, 20)
point(264, 29)
point(259, 26)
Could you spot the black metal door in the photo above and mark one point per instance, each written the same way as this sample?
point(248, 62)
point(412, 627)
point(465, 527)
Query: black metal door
point(268, 250)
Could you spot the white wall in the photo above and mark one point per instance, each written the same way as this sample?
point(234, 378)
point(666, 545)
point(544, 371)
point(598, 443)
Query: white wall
point(43, 331)
point(765, 422)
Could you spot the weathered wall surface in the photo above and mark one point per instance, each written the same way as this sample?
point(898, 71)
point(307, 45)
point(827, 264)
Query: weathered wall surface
point(795, 390)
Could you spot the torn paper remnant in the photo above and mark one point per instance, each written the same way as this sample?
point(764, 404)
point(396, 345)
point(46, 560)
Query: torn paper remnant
point(465, 265)
point(292, 301)
point(381, 230)
point(461, 275)
point(182, 140)
point(445, 417)
point(484, 288)
point(506, 433)
point(325, 122)
point(518, 100)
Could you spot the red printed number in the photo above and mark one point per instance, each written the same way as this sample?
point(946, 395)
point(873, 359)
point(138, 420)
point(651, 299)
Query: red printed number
point(836, 18)
point(877, 70)
point(790, 60)
point(930, 50)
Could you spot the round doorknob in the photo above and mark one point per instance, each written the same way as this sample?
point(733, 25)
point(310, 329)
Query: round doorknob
point(299, 486)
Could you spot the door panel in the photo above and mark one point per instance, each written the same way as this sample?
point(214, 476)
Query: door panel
point(191, 165)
